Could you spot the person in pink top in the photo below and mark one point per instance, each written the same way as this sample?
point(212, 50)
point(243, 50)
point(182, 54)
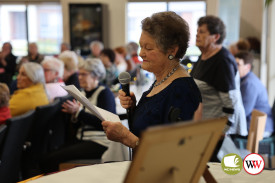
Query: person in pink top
point(53, 71)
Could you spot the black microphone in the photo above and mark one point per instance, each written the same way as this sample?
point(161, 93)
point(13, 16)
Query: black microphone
point(124, 78)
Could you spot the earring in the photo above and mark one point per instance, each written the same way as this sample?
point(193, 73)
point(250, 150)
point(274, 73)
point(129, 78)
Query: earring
point(170, 57)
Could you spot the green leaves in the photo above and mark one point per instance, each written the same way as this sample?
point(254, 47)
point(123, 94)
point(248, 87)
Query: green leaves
point(268, 2)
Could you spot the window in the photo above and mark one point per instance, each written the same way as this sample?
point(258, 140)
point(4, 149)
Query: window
point(40, 23)
point(18, 21)
point(137, 11)
point(13, 27)
point(191, 11)
point(230, 13)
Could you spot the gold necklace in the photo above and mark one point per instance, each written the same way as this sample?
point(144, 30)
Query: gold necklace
point(166, 77)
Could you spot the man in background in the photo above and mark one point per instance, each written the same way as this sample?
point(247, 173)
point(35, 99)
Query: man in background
point(254, 94)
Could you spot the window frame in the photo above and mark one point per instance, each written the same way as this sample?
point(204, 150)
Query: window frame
point(27, 4)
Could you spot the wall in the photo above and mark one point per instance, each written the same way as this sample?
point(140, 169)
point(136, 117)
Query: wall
point(212, 7)
point(251, 25)
point(116, 24)
point(251, 16)
point(271, 53)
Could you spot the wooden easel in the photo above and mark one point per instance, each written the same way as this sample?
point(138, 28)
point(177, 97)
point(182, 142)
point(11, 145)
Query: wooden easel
point(208, 177)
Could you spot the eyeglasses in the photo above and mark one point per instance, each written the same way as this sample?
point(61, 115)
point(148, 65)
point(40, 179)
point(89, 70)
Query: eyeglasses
point(83, 74)
point(47, 70)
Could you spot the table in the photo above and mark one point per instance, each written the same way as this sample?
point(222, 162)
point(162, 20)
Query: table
point(116, 172)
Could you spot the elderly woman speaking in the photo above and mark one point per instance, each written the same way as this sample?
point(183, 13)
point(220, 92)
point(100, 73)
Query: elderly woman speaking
point(164, 40)
point(31, 93)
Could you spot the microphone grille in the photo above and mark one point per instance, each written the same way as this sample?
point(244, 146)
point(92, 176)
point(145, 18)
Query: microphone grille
point(124, 78)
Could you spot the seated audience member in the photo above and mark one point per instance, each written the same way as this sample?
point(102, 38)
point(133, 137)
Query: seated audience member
point(107, 57)
point(70, 61)
point(120, 61)
point(80, 60)
point(132, 48)
point(67, 47)
point(96, 47)
point(132, 58)
point(7, 64)
point(241, 45)
point(164, 40)
point(254, 94)
point(31, 90)
point(4, 103)
point(33, 54)
point(53, 70)
point(93, 145)
point(255, 45)
point(64, 47)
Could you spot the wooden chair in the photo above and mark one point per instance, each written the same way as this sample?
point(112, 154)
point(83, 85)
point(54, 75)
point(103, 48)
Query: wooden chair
point(267, 145)
point(256, 130)
point(255, 142)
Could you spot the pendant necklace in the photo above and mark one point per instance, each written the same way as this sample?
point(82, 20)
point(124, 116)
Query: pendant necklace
point(168, 75)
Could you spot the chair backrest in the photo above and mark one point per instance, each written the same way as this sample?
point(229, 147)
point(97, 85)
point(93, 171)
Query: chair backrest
point(64, 131)
point(3, 130)
point(17, 131)
point(40, 131)
point(40, 137)
point(64, 98)
point(256, 130)
point(273, 111)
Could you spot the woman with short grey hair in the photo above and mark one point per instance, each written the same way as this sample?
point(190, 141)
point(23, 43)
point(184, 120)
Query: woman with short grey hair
point(34, 72)
point(31, 91)
point(95, 66)
point(54, 67)
point(95, 47)
point(53, 70)
point(92, 141)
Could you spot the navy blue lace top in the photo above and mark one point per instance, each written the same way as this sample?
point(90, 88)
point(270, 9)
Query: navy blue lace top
point(182, 94)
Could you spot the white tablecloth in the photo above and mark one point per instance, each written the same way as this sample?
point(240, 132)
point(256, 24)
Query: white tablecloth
point(116, 172)
point(103, 173)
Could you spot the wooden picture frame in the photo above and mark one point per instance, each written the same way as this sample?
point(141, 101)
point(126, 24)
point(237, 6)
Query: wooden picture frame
point(175, 153)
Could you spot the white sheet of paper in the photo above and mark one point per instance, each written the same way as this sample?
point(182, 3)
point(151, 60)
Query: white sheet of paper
point(102, 114)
